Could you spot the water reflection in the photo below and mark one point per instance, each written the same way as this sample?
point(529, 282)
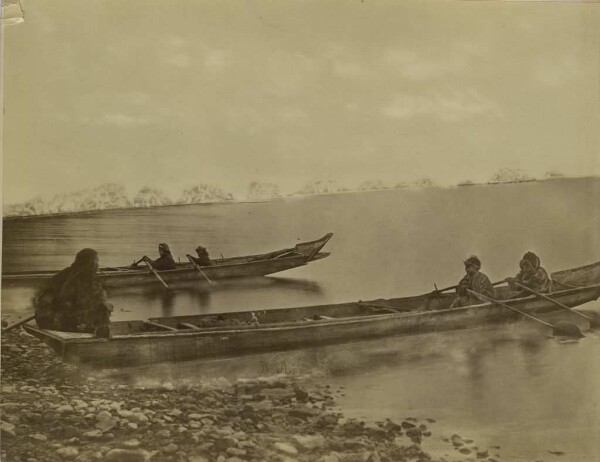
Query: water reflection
point(301, 285)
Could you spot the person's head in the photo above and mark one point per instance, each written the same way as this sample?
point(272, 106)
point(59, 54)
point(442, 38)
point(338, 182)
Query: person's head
point(525, 265)
point(86, 261)
point(200, 250)
point(472, 265)
point(163, 249)
point(530, 260)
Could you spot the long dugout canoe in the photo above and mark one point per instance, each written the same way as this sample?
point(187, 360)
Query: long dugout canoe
point(182, 338)
point(225, 268)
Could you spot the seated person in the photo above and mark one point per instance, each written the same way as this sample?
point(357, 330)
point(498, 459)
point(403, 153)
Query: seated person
point(203, 258)
point(164, 262)
point(531, 275)
point(473, 280)
point(74, 299)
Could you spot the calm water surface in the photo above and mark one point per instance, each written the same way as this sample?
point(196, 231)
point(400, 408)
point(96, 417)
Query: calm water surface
point(509, 386)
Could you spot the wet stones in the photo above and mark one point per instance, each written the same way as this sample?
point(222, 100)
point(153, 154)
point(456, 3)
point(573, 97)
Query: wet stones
point(67, 453)
point(286, 448)
point(457, 440)
point(131, 444)
point(39, 437)
point(353, 428)
point(304, 412)
point(93, 434)
point(392, 426)
point(375, 431)
point(105, 421)
point(7, 428)
point(327, 420)
point(414, 433)
point(277, 394)
point(170, 448)
point(65, 409)
point(406, 425)
point(236, 452)
point(126, 455)
point(301, 395)
point(309, 442)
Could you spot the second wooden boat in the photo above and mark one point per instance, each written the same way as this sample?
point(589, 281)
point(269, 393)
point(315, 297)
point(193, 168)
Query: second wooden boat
point(224, 268)
point(231, 334)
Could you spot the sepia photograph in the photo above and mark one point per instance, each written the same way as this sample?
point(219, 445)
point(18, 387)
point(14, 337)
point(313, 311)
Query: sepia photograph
point(300, 231)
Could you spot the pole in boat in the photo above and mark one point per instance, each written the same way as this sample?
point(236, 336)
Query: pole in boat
point(151, 268)
point(17, 324)
point(562, 328)
point(445, 289)
point(195, 265)
point(592, 321)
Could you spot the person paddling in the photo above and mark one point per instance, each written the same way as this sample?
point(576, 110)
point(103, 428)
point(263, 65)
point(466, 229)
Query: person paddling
point(74, 299)
point(203, 259)
point(164, 262)
point(473, 280)
point(531, 275)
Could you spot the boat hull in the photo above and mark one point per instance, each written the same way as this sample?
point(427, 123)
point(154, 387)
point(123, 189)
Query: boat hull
point(187, 344)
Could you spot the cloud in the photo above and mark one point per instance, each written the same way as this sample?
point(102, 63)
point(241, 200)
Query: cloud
point(450, 105)
point(556, 71)
point(121, 120)
point(429, 64)
point(351, 69)
point(290, 73)
point(216, 60)
point(180, 60)
point(176, 41)
point(136, 98)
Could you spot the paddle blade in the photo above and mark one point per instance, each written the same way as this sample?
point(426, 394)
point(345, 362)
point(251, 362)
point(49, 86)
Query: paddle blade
point(594, 319)
point(566, 329)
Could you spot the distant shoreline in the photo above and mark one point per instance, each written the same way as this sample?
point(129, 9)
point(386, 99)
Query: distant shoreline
point(291, 196)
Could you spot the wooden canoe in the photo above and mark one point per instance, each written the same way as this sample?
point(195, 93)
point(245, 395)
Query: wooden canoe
point(225, 268)
point(237, 333)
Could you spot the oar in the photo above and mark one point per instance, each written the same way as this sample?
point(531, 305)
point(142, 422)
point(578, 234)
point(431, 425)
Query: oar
point(191, 259)
point(562, 328)
point(135, 263)
point(557, 303)
point(151, 268)
point(17, 324)
point(455, 286)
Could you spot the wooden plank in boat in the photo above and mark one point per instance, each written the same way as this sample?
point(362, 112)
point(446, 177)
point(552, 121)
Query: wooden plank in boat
point(160, 326)
point(67, 335)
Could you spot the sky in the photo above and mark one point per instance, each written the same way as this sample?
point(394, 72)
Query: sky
point(172, 94)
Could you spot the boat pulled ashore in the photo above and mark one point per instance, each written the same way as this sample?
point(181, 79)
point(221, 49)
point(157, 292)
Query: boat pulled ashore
point(238, 333)
point(224, 268)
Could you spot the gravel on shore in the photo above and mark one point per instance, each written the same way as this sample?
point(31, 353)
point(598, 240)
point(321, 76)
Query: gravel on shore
point(51, 411)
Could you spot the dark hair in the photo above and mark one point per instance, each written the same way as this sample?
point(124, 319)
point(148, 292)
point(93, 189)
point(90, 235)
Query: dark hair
point(164, 246)
point(473, 260)
point(533, 259)
point(84, 260)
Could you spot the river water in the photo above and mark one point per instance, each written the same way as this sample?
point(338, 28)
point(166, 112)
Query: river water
point(510, 387)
